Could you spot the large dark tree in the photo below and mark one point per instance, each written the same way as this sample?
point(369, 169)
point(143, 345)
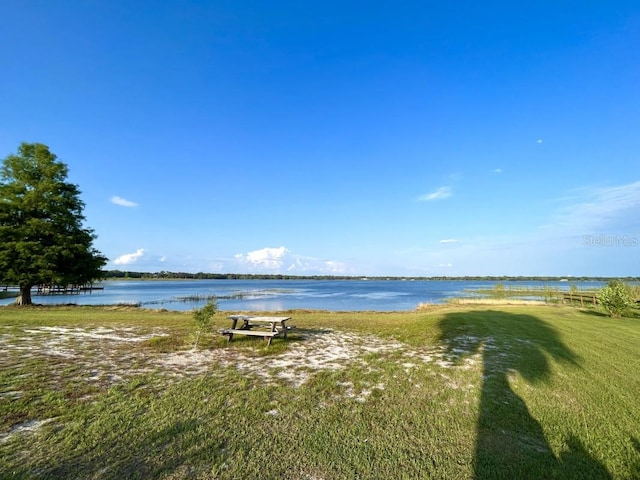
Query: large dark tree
point(42, 237)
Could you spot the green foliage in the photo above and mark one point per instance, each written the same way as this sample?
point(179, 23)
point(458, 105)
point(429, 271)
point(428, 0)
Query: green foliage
point(202, 318)
point(498, 290)
point(550, 294)
point(42, 237)
point(615, 298)
point(634, 291)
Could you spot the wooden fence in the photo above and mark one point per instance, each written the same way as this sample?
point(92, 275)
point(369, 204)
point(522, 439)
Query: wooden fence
point(583, 298)
point(45, 289)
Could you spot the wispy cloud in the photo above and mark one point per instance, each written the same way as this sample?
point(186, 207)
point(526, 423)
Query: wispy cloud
point(603, 207)
point(334, 267)
point(572, 241)
point(439, 194)
point(497, 170)
point(123, 202)
point(129, 258)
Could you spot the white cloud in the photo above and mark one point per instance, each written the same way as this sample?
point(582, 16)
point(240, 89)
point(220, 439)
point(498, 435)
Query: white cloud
point(123, 202)
point(497, 170)
point(311, 265)
point(439, 194)
point(129, 258)
point(448, 240)
point(268, 258)
point(279, 259)
point(335, 267)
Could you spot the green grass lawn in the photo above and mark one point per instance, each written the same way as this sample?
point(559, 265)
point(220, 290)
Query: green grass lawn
point(452, 392)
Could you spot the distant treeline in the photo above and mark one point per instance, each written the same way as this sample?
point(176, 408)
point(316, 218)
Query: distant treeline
point(250, 276)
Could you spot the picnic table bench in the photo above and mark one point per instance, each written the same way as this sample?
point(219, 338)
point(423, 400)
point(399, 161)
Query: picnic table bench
point(268, 327)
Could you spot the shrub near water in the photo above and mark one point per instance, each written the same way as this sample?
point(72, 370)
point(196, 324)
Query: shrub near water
point(202, 318)
point(634, 291)
point(498, 290)
point(615, 298)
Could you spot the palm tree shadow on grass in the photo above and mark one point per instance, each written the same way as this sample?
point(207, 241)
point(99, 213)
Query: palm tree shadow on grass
point(510, 442)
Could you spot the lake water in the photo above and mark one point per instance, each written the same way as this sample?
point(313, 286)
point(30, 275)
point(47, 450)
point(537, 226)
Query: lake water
point(277, 295)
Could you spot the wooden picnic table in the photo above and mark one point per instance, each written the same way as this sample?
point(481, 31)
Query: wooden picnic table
point(268, 327)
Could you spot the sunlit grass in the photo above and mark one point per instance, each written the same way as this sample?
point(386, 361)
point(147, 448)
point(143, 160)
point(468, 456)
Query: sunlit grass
point(491, 391)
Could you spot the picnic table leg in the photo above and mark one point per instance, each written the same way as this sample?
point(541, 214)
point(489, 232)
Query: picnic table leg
point(273, 329)
point(284, 328)
point(234, 323)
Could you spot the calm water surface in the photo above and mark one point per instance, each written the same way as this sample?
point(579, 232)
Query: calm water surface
point(276, 295)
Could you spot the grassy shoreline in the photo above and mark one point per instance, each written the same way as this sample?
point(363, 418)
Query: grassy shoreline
point(471, 391)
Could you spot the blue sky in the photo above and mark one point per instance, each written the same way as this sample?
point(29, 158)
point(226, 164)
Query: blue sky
point(356, 138)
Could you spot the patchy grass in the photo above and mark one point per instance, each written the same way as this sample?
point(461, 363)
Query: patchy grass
point(483, 391)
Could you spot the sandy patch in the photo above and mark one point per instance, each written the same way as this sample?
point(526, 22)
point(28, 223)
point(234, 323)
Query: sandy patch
point(104, 357)
point(23, 428)
point(317, 351)
point(100, 334)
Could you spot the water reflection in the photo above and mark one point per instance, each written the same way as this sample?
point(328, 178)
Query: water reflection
point(272, 295)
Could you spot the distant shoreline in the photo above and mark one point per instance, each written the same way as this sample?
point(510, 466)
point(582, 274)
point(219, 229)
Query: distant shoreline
point(122, 275)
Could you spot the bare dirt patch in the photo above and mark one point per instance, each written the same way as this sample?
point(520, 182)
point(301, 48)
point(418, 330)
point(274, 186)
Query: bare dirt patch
point(85, 361)
point(316, 351)
point(110, 355)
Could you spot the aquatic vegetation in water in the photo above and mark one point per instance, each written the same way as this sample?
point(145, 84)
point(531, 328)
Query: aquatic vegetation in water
point(207, 297)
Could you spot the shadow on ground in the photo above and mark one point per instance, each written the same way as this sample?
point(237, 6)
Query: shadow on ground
point(164, 453)
point(510, 441)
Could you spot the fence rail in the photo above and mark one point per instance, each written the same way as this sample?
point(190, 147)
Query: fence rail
point(589, 298)
point(46, 289)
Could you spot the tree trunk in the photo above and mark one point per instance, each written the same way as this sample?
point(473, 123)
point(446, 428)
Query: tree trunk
point(24, 298)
